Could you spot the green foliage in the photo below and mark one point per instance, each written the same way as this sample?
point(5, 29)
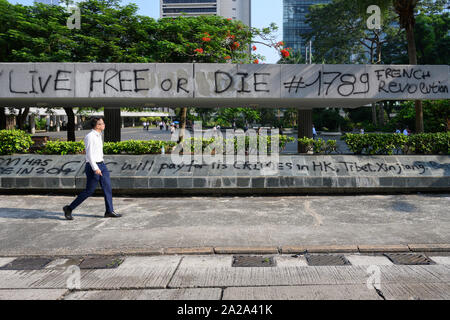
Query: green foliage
point(14, 141)
point(112, 32)
point(123, 147)
point(62, 147)
point(239, 145)
point(41, 123)
point(436, 114)
point(226, 116)
point(427, 143)
point(373, 143)
point(328, 118)
point(138, 147)
point(431, 33)
point(318, 146)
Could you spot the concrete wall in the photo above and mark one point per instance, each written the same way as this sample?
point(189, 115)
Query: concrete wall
point(210, 85)
point(158, 174)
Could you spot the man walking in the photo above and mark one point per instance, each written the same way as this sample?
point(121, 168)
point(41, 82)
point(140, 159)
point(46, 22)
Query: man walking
point(96, 171)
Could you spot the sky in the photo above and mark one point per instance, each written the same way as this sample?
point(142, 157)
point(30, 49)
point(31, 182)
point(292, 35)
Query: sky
point(264, 12)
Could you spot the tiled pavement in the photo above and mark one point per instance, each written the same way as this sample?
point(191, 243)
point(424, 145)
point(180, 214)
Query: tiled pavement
point(213, 277)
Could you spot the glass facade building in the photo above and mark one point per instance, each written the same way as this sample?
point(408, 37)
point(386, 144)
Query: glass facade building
point(234, 9)
point(294, 22)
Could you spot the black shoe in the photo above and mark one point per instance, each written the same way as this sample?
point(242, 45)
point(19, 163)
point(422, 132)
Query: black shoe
point(112, 215)
point(68, 213)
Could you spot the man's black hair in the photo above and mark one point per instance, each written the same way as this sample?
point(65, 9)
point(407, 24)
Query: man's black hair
point(94, 121)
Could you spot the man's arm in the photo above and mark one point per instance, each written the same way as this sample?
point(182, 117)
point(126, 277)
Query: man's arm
point(88, 142)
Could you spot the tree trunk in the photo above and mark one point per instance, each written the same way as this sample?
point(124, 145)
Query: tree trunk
point(381, 119)
point(183, 117)
point(113, 124)
point(2, 118)
point(10, 122)
point(374, 114)
point(413, 60)
point(304, 120)
point(70, 124)
point(22, 117)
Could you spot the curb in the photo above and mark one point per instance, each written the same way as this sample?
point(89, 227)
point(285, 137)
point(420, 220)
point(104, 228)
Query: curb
point(239, 250)
point(383, 248)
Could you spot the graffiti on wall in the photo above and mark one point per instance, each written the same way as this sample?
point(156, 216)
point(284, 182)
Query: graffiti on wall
point(69, 166)
point(355, 82)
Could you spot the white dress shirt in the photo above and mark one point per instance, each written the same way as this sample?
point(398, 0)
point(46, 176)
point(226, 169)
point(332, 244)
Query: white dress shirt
point(94, 148)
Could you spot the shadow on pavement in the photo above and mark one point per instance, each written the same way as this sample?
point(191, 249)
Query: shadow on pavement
point(15, 213)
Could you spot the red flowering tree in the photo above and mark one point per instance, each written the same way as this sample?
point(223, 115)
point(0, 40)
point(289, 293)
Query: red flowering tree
point(207, 39)
point(204, 39)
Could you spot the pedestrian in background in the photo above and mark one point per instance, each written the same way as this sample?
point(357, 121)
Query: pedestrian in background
point(406, 131)
point(96, 171)
point(314, 132)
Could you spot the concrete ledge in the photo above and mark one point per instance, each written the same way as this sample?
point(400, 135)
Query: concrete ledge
point(293, 174)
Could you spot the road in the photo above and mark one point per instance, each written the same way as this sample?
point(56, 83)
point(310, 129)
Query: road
point(183, 248)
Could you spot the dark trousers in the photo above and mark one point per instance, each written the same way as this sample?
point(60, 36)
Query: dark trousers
point(91, 184)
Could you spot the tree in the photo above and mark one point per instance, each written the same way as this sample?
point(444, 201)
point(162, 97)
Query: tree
point(405, 10)
point(38, 33)
point(203, 39)
point(111, 32)
point(345, 38)
point(433, 38)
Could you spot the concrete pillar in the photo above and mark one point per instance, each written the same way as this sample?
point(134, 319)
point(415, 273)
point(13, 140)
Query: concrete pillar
point(134, 124)
point(113, 124)
point(2, 118)
point(58, 123)
point(78, 123)
point(304, 121)
point(10, 122)
point(32, 124)
point(122, 121)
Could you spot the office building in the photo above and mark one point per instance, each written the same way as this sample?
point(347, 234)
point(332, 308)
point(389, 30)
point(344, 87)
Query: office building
point(233, 9)
point(294, 22)
point(48, 1)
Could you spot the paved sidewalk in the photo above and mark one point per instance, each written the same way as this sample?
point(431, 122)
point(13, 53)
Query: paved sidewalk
point(35, 225)
point(214, 278)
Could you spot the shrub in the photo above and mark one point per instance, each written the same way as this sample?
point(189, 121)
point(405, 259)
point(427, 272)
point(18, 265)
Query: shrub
point(319, 146)
point(123, 147)
point(62, 147)
point(429, 143)
point(238, 145)
point(372, 143)
point(138, 147)
point(14, 141)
